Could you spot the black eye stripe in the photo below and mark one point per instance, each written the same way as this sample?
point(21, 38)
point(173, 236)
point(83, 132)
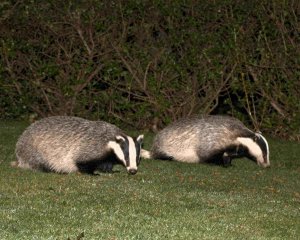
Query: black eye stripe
point(138, 150)
point(124, 145)
point(126, 150)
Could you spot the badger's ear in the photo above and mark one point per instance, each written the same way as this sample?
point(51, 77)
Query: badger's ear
point(120, 139)
point(257, 136)
point(140, 139)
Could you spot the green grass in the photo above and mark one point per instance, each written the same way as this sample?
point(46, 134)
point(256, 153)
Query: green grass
point(165, 200)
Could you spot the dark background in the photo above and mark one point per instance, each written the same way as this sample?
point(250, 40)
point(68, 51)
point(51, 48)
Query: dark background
point(142, 64)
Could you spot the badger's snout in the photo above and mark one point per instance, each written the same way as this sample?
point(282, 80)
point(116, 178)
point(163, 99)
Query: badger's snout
point(132, 171)
point(263, 164)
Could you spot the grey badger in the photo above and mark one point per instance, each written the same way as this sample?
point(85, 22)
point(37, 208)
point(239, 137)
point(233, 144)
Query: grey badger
point(65, 144)
point(212, 138)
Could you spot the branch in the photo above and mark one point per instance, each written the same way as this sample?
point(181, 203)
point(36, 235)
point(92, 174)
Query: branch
point(128, 66)
point(10, 11)
point(80, 33)
point(80, 87)
point(217, 93)
point(273, 103)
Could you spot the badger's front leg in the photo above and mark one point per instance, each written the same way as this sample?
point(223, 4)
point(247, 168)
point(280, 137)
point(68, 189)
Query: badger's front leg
point(105, 166)
point(226, 159)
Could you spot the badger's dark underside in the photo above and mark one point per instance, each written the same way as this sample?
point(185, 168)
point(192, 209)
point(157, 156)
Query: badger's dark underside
point(103, 165)
point(218, 157)
point(224, 156)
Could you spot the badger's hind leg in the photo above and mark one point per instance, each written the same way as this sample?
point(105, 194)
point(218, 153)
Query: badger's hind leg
point(20, 164)
point(25, 165)
point(162, 156)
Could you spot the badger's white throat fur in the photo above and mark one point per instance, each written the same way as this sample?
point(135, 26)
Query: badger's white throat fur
point(253, 148)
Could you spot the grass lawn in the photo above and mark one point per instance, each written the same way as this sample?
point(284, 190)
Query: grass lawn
point(164, 200)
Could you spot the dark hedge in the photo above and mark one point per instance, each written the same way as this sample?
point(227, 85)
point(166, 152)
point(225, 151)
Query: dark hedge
point(146, 63)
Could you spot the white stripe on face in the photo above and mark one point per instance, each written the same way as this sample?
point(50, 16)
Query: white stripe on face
point(132, 154)
point(253, 148)
point(117, 150)
point(267, 146)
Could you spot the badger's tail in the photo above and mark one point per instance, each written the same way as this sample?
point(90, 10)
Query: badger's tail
point(145, 154)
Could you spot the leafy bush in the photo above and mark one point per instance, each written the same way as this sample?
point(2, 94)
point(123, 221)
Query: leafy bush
point(147, 63)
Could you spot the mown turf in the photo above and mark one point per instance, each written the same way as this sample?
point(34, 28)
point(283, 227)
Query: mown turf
point(165, 200)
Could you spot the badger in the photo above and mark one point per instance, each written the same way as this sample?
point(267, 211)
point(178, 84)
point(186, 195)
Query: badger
point(211, 139)
point(65, 144)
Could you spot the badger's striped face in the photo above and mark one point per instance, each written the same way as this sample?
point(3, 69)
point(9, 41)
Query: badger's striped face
point(127, 150)
point(263, 144)
point(258, 148)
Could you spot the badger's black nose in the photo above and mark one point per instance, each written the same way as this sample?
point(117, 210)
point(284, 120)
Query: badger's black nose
point(132, 171)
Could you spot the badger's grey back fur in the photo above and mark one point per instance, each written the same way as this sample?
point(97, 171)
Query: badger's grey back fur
point(65, 144)
point(200, 139)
